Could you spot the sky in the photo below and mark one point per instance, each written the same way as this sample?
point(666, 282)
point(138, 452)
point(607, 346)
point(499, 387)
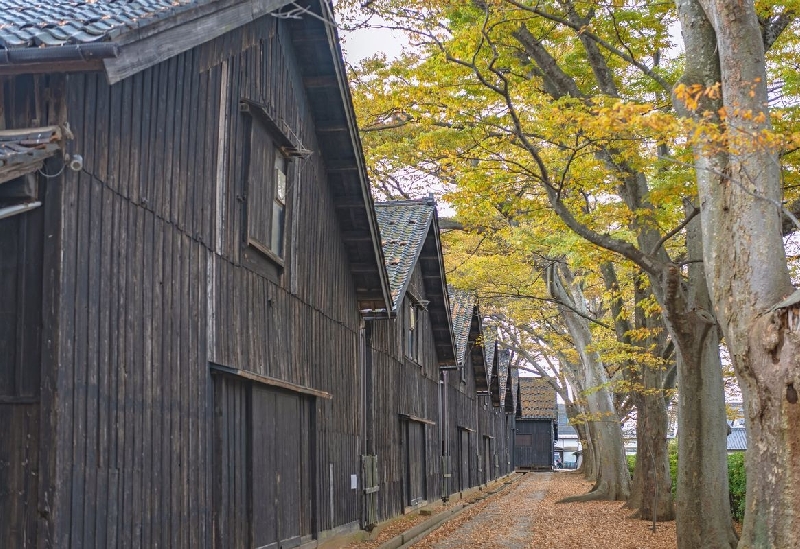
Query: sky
point(363, 43)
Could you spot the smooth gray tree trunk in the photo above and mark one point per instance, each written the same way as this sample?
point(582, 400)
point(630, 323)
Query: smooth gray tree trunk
point(612, 480)
point(740, 192)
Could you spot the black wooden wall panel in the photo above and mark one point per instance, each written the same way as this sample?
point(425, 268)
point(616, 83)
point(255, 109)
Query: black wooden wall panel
point(404, 387)
point(24, 244)
point(147, 297)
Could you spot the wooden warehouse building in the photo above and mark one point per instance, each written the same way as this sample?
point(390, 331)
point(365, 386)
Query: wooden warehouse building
point(408, 351)
point(476, 432)
point(537, 415)
point(188, 243)
point(210, 335)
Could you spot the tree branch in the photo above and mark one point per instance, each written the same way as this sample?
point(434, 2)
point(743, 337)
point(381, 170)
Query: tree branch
point(610, 47)
point(695, 212)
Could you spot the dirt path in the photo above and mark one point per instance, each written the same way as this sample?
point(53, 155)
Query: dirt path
point(527, 517)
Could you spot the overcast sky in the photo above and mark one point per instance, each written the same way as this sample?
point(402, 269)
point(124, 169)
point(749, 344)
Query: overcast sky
point(363, 43)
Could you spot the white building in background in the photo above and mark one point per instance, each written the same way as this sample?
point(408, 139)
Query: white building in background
point(567, 446)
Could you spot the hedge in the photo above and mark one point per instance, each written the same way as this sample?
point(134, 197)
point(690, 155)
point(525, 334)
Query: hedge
point(737, 480)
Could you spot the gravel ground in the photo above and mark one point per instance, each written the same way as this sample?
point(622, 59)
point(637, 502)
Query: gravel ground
point(528, 517)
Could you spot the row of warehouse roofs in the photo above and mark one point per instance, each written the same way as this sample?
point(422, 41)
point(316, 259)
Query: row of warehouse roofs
point(405, 227)
point(409, 231)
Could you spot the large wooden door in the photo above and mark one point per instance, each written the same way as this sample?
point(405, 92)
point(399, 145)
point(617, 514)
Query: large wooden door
point(464, 459)
point(280, 468)
point(533, 444)
point(263, 439)
point(414, 462)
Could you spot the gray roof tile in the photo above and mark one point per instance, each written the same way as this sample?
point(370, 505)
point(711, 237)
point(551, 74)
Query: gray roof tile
point(462, 307)
point(404, 226)
point(34, 23)
point(737, 440)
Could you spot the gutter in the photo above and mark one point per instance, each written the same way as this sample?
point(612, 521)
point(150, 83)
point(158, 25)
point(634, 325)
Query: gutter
point(58, 54)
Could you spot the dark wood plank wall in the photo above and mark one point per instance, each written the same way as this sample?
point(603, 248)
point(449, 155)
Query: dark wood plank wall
point(154, 287)
point(21, 242)
point(28, 279)
point(462, 415)
point(466, 410)
point(404, 387)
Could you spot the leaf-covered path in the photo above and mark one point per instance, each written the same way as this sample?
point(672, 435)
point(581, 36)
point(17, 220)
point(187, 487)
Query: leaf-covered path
point(528, 517)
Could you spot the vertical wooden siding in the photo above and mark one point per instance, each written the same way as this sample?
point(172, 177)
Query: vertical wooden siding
point(403, 387)
point(154, 288)
point(28, 280)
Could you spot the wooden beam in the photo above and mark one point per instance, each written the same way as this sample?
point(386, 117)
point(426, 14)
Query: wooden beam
point(417, 419)
point(271, 381)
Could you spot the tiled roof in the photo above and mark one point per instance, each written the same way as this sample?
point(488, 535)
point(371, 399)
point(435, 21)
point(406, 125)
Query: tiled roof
point(538, 398)
point(35, 23)
point(462, 306)
point(737, 440)
point(404, 226)
point(489, 337)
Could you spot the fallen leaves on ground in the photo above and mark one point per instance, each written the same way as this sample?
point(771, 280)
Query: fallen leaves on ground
point(526, 516)
point(591, 525)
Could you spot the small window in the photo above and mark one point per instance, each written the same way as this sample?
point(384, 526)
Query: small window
point(413, 331)
point(267, 194)
point(278, 205)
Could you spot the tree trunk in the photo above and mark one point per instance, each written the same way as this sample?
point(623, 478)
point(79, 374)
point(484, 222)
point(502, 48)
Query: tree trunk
point(613, 480)
point(651, 485)
point(749, 280)
point(740, 193)
point(590, 454)
point(637, 485)
point(586, 454)
point(653, 455)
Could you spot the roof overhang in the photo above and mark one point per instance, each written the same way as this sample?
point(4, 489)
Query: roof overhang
point(128, 51)
point(431, 263)
point(476, 349)
point(319, 55)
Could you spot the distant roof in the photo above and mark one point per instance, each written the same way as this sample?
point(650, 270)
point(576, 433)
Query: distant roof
point(35, 23)
point(462, 307)
point(489, 338)
point(510, 402)
point(403, 226)
point(537, 398)
point(737, 440)
point(468, 334)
